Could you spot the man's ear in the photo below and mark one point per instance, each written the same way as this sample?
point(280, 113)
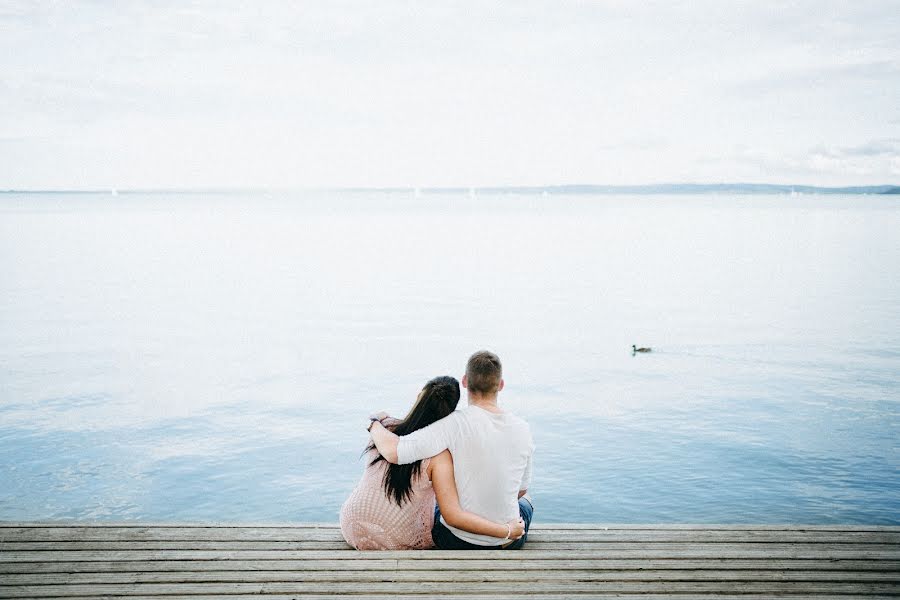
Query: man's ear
point(465, 381)
point(500, 387)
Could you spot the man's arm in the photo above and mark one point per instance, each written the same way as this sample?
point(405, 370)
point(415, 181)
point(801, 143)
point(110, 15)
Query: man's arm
point(385, 441)
point(444, 484)
point(418, 445)
point(526, 477)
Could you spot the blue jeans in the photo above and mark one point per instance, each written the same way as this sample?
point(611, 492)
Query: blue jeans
point(445, 540)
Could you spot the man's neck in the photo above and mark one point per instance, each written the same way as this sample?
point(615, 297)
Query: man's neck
point(488, 403)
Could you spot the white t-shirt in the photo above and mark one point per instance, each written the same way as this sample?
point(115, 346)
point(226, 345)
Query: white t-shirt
point(491, 462)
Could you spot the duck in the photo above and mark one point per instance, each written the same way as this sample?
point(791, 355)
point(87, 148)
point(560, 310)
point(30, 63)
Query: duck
point(635, 349)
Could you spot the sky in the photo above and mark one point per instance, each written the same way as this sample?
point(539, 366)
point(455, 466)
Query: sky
point(97, 95)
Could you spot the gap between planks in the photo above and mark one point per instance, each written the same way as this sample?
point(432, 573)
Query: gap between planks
point(477, 564)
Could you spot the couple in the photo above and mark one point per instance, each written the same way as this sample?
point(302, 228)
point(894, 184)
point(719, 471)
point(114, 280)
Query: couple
point(476, 462)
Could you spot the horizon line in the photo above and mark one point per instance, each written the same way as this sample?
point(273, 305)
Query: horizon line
point(572, 188)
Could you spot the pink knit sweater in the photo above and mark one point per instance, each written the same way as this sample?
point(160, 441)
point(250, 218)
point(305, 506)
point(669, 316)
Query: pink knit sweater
point(372, 521)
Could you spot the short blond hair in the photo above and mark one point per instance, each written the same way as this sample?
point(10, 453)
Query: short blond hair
point(484, 373)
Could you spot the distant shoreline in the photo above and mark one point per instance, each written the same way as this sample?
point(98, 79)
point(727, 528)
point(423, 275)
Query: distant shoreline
point(574, 189)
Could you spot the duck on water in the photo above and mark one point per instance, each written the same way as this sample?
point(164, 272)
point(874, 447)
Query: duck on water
point(635, 349)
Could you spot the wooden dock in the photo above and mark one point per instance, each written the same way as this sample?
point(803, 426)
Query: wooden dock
point(308, 561)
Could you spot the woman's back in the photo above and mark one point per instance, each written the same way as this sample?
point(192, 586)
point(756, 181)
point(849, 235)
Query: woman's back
point(370, 520)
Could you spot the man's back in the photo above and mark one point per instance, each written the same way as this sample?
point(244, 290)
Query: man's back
point(491, 461)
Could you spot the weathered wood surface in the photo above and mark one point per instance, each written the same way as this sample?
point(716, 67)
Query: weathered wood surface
point(310, 561)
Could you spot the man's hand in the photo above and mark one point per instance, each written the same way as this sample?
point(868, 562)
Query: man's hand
point(516, 528)
point(379, 416)
point(385, 441)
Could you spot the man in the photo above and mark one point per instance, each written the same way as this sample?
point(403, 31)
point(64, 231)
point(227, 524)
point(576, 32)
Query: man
point(491, 449)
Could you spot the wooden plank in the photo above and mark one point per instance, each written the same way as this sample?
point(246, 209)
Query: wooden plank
point(581, 596)
point(719, 526)
point(826, 537)
point(332, 540)
point(538, 589)
point(41, 534)
point(167, 533)
point(889, 551)
point(785, 551)
point(448, 575)
point(337, 542)
point(536, 525)
point(72, 546)
point(711, 547)
point(172, 545)
point(142, 524)
point(501, 596)
point(557, 563)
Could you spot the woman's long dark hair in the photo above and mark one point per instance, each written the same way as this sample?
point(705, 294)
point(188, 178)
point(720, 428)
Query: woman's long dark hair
point(437, 399)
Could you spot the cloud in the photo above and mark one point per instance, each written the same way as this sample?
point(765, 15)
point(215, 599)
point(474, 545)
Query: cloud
point(872, 158)
point(779, 80)
point(647, 144)
point(889, 147)
point(873, 161)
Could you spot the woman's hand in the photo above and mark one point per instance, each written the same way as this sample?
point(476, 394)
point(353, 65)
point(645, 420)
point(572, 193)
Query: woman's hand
point(516, 528)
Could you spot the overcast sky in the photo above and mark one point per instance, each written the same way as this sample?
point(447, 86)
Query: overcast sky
point(186, 94)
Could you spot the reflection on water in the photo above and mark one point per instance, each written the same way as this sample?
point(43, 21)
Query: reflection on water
point(213, 357)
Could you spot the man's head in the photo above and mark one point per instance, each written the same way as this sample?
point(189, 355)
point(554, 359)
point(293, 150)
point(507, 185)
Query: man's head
point(484, 374)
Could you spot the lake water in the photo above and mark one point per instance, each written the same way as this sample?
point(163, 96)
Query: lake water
point(213, 357)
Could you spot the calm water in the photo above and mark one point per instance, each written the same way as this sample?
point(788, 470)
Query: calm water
point(214, 357)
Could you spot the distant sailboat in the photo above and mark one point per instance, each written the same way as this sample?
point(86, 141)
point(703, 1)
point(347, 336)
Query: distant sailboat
point(472, 194)
point(417, 192)
point(113, 192)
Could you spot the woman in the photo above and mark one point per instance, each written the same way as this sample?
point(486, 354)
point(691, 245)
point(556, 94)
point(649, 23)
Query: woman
point(392, 507)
